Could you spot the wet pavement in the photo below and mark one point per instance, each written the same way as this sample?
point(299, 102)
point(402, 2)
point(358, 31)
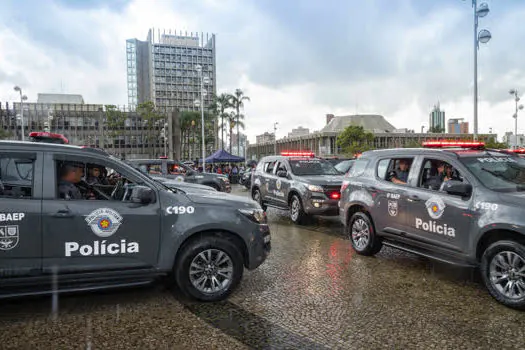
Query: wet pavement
point(312, 293)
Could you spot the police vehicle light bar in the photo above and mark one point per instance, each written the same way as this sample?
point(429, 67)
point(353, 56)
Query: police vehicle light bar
point(163, 157)
point(461, 144)
point(43, 136)
point(298, 154)
point(520, 150)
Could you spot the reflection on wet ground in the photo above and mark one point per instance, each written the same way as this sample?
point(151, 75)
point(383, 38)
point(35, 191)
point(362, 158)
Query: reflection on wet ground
point(312, 293)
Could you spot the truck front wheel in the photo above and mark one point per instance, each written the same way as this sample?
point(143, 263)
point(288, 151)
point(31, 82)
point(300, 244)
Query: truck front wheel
point(503, 272)
point(209, 269)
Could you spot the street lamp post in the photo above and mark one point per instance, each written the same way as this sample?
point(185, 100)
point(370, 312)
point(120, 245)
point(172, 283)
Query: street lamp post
point(483, 36)
point(275, 137)
point(514, 92)
point(22, 99)
point(203, 80)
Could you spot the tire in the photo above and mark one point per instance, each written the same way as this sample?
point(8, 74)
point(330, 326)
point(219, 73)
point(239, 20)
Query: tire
point(362, 235)
point(495, 263)
point(195, 253)
point(297, 214)
point(256, 196)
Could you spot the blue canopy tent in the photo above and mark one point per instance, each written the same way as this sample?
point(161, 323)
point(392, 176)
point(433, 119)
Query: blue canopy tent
point(221, 156)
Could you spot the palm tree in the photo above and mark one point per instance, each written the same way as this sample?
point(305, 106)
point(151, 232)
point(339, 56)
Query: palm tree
point(188, 121)
point(234, 120)
point(220, 104)
point(237, 101)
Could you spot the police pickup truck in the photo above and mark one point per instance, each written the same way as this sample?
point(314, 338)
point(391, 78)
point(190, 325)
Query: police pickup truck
point(298, 182)
point(175, 170)
point(56, 218)
point(455, 202)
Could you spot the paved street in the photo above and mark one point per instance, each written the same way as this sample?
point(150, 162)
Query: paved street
point(312, 293)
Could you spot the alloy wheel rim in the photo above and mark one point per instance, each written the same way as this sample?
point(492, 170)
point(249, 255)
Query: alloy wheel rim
point(295, 209)
point(507, 274)
point(211, 271)
point(360, 234)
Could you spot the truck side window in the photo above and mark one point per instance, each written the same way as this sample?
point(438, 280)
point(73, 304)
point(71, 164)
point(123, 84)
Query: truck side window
point(16, 177)
point(269, 167)
point(436, 172)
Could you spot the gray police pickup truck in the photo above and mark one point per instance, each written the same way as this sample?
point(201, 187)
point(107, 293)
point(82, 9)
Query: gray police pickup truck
point(462, 205)
point(175, 170)
point(299, 182)
point(124, 231)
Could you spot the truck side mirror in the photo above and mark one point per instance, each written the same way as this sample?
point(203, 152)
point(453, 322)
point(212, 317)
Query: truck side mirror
point(142, 195)
point(457, 188)
point(282, 173)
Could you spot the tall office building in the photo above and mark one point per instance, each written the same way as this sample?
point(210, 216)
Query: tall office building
point(162, 69)
point(436, 120)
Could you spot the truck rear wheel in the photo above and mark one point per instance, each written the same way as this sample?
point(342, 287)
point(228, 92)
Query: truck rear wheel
point(209, 269)
point(362, 234)
point(503, 272)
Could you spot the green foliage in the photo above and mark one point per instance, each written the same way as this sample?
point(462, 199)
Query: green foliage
point(4, 134)
point(354, 139)
point(492, 142)
point(115, 120)
point(148, 113)
point(219, 108)
point(436, 130)
point(413, 144)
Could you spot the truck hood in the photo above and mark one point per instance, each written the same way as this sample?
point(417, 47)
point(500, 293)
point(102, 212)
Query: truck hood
point(223, 199)
point(322, 180)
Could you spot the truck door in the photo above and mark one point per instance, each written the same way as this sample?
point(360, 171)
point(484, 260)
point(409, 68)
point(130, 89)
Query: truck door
point(20, 213)
point(105, 233)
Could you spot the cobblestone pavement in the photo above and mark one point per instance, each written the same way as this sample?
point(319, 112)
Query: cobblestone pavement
point(312, 293)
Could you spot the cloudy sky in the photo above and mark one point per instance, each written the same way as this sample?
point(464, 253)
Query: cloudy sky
point(297, 60)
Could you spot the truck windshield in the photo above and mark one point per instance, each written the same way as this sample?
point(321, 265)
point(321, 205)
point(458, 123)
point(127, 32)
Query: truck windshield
point(312, 167)
point(499, 173)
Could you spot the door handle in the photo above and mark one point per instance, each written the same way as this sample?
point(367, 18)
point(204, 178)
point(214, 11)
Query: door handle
point(64, 213)
point(414, 198)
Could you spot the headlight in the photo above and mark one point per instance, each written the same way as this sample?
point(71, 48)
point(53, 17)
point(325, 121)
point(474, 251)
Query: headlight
point(255, 215)
point(314, 188)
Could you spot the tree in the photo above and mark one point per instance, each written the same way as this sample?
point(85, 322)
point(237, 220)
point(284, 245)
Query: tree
point(115, 121)
point(4, 134)
point(237, 100)
point(189, 120)
point(413, 144)
point(436, 130)
point(149, 114)
point(354, 139)
point(220, 104)
point(492, 142)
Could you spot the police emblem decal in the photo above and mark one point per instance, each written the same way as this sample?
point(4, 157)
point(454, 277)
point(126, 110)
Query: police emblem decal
point(278, 184)
point(104, 222)
point(9, 237)
point(392, 208)
point(435, 207)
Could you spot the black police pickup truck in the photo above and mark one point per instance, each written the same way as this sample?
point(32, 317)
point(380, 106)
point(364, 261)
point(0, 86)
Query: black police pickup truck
point(458, 203)
point(173, 169)
point(121, 230)
point(299, 182)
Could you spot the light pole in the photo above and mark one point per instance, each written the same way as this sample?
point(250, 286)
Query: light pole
point(164, 135)
point(22, 99)
point(514, 92)
point(275, 137)
point(203, 80)
point(483, 36)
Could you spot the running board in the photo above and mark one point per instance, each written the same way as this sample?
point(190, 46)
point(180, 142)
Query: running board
point(428, 254)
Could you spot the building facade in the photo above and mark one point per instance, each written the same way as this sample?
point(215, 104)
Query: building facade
point(436, 120)
point(457, 126)
point(300, 131)
point(121, 132)
point(163, 69)
point(513, 141)
point(266, 137)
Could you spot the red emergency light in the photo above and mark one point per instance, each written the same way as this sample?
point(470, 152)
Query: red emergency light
point(335, 195)
point(297, 154)
point(460, 144)
point(520, 150)
point(163, 157)
point(47, 137)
